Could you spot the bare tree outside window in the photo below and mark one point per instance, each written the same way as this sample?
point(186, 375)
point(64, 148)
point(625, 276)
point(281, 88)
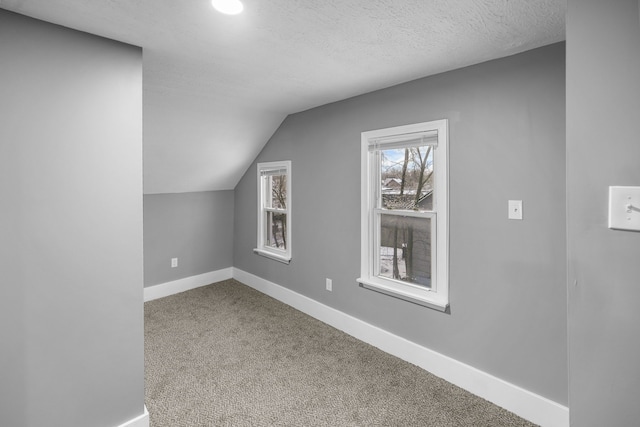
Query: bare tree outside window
point(278, 221)
point(405, 241)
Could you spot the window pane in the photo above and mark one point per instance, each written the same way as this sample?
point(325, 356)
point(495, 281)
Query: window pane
point(276, 191)
point(405, 249)
point(276, 230)
point(407, 178)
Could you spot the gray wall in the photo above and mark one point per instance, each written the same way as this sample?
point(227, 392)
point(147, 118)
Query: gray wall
point(507, 141)
point(71, 227)
point(603, 149)
point(196, 228)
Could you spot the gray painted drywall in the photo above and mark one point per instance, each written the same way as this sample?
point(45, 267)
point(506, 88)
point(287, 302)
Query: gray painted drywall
point(196, 228)
point(71, 243)
point(603, 149)
point(507, 286)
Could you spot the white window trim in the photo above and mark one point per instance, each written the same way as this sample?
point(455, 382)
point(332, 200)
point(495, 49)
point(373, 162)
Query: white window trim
point(438, 298)
point(283, 256)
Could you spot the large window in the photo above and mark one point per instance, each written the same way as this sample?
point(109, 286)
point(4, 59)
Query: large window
point(404, 213)
point(274, 210)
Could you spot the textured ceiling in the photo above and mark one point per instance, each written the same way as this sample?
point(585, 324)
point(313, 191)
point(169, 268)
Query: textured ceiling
point(216, 87)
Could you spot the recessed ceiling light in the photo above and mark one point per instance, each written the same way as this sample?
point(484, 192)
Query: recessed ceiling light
point(229, 7)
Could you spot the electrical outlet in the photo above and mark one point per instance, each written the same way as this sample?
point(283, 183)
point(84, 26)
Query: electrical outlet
point(515, 209)
point(174, 262)
point(329, 285)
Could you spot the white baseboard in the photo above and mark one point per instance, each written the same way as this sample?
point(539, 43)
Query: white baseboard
point(526, 404)
point(186, 284)
point(139, 421)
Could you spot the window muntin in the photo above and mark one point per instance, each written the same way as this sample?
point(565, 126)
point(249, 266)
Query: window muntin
point(404, 212)
point(274, 210)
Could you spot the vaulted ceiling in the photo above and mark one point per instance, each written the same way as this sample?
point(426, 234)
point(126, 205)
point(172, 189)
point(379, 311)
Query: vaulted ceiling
point(216, 87)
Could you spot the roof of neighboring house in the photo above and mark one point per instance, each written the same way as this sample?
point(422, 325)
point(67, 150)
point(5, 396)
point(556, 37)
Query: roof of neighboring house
point(391, 181)
point(404, 201)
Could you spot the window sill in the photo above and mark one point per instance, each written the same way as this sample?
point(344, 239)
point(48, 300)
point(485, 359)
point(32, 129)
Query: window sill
point(426, 299)
point(280, 258)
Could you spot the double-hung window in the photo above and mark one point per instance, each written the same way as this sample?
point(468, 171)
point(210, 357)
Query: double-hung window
point(274, 210)
point(404, 213)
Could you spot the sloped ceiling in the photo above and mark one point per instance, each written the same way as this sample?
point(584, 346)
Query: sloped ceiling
point(216, 87)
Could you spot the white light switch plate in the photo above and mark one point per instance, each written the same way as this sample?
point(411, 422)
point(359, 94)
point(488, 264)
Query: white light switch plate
point(515, 209)
point(624, 208)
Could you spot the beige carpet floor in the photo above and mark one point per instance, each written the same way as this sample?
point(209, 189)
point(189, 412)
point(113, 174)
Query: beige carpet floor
point(227, 355)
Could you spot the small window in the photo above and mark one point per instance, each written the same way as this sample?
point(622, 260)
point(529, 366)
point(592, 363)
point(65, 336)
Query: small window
point(404, 213)
point(274, 210)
